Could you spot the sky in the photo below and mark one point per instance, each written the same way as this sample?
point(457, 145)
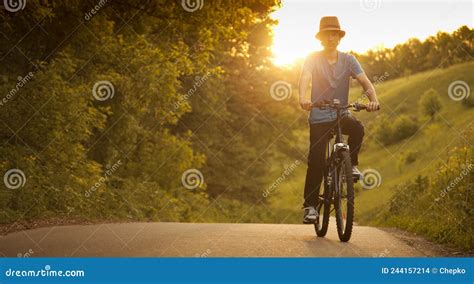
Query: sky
point(368, 23)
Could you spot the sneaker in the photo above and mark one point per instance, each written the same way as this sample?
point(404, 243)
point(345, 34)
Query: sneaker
point(310, 215)
point(356, 173)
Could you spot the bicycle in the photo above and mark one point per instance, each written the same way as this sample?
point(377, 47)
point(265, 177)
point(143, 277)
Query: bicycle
point(338, 190)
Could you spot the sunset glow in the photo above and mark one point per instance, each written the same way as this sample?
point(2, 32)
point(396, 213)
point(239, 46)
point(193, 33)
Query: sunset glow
point(368, 24)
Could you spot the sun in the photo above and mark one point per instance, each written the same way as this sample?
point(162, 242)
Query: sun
point(292, 39)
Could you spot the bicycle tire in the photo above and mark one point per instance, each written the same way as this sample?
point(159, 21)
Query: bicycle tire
point(322, 224)
point(344, 230)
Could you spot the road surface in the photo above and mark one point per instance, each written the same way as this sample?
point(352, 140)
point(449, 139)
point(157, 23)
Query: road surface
point(209, 240)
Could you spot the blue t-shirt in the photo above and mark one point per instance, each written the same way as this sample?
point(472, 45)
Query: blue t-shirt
point(330, 81)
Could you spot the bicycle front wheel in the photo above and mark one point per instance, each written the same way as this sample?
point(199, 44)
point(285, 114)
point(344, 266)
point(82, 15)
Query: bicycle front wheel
point(323, 209)
point(344, 197)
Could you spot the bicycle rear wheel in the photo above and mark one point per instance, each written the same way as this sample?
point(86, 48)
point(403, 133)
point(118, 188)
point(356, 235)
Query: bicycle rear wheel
point(344, 197)
point(323, 209)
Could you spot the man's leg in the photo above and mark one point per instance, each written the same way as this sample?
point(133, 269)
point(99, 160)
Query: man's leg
point(354, 128)
point(318, 138)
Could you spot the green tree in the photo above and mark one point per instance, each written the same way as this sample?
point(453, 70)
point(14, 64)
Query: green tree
point(182, 83)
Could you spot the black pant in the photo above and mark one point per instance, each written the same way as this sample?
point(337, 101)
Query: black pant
point(318, 138)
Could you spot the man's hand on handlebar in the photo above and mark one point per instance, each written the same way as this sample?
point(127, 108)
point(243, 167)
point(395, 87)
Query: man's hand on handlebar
point(373, 106)
point(305, 104)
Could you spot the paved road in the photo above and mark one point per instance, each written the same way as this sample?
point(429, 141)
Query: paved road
point(208, 240)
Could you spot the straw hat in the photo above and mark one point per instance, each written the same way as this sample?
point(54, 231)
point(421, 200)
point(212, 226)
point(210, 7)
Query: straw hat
point(329, 23)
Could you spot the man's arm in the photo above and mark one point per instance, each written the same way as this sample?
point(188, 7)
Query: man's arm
point(303, 87)
point(369, 90)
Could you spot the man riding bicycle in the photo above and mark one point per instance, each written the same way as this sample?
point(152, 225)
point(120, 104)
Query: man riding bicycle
point(329, 72)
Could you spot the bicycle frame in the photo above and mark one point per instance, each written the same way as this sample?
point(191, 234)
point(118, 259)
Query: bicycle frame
point(332, 151)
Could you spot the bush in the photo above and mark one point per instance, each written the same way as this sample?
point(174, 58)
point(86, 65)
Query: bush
point(406, 159)
point(383, 130)
point(439, 207)
point(389, 133)
point(405, 195)
point(403, 127)
point(410, 157)
point(429, 103)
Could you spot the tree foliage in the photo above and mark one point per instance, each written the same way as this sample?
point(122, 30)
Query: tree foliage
point(190, 91)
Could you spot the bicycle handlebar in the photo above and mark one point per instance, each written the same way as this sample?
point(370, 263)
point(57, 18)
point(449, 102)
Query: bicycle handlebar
point(359, 107)
point(355, 106)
